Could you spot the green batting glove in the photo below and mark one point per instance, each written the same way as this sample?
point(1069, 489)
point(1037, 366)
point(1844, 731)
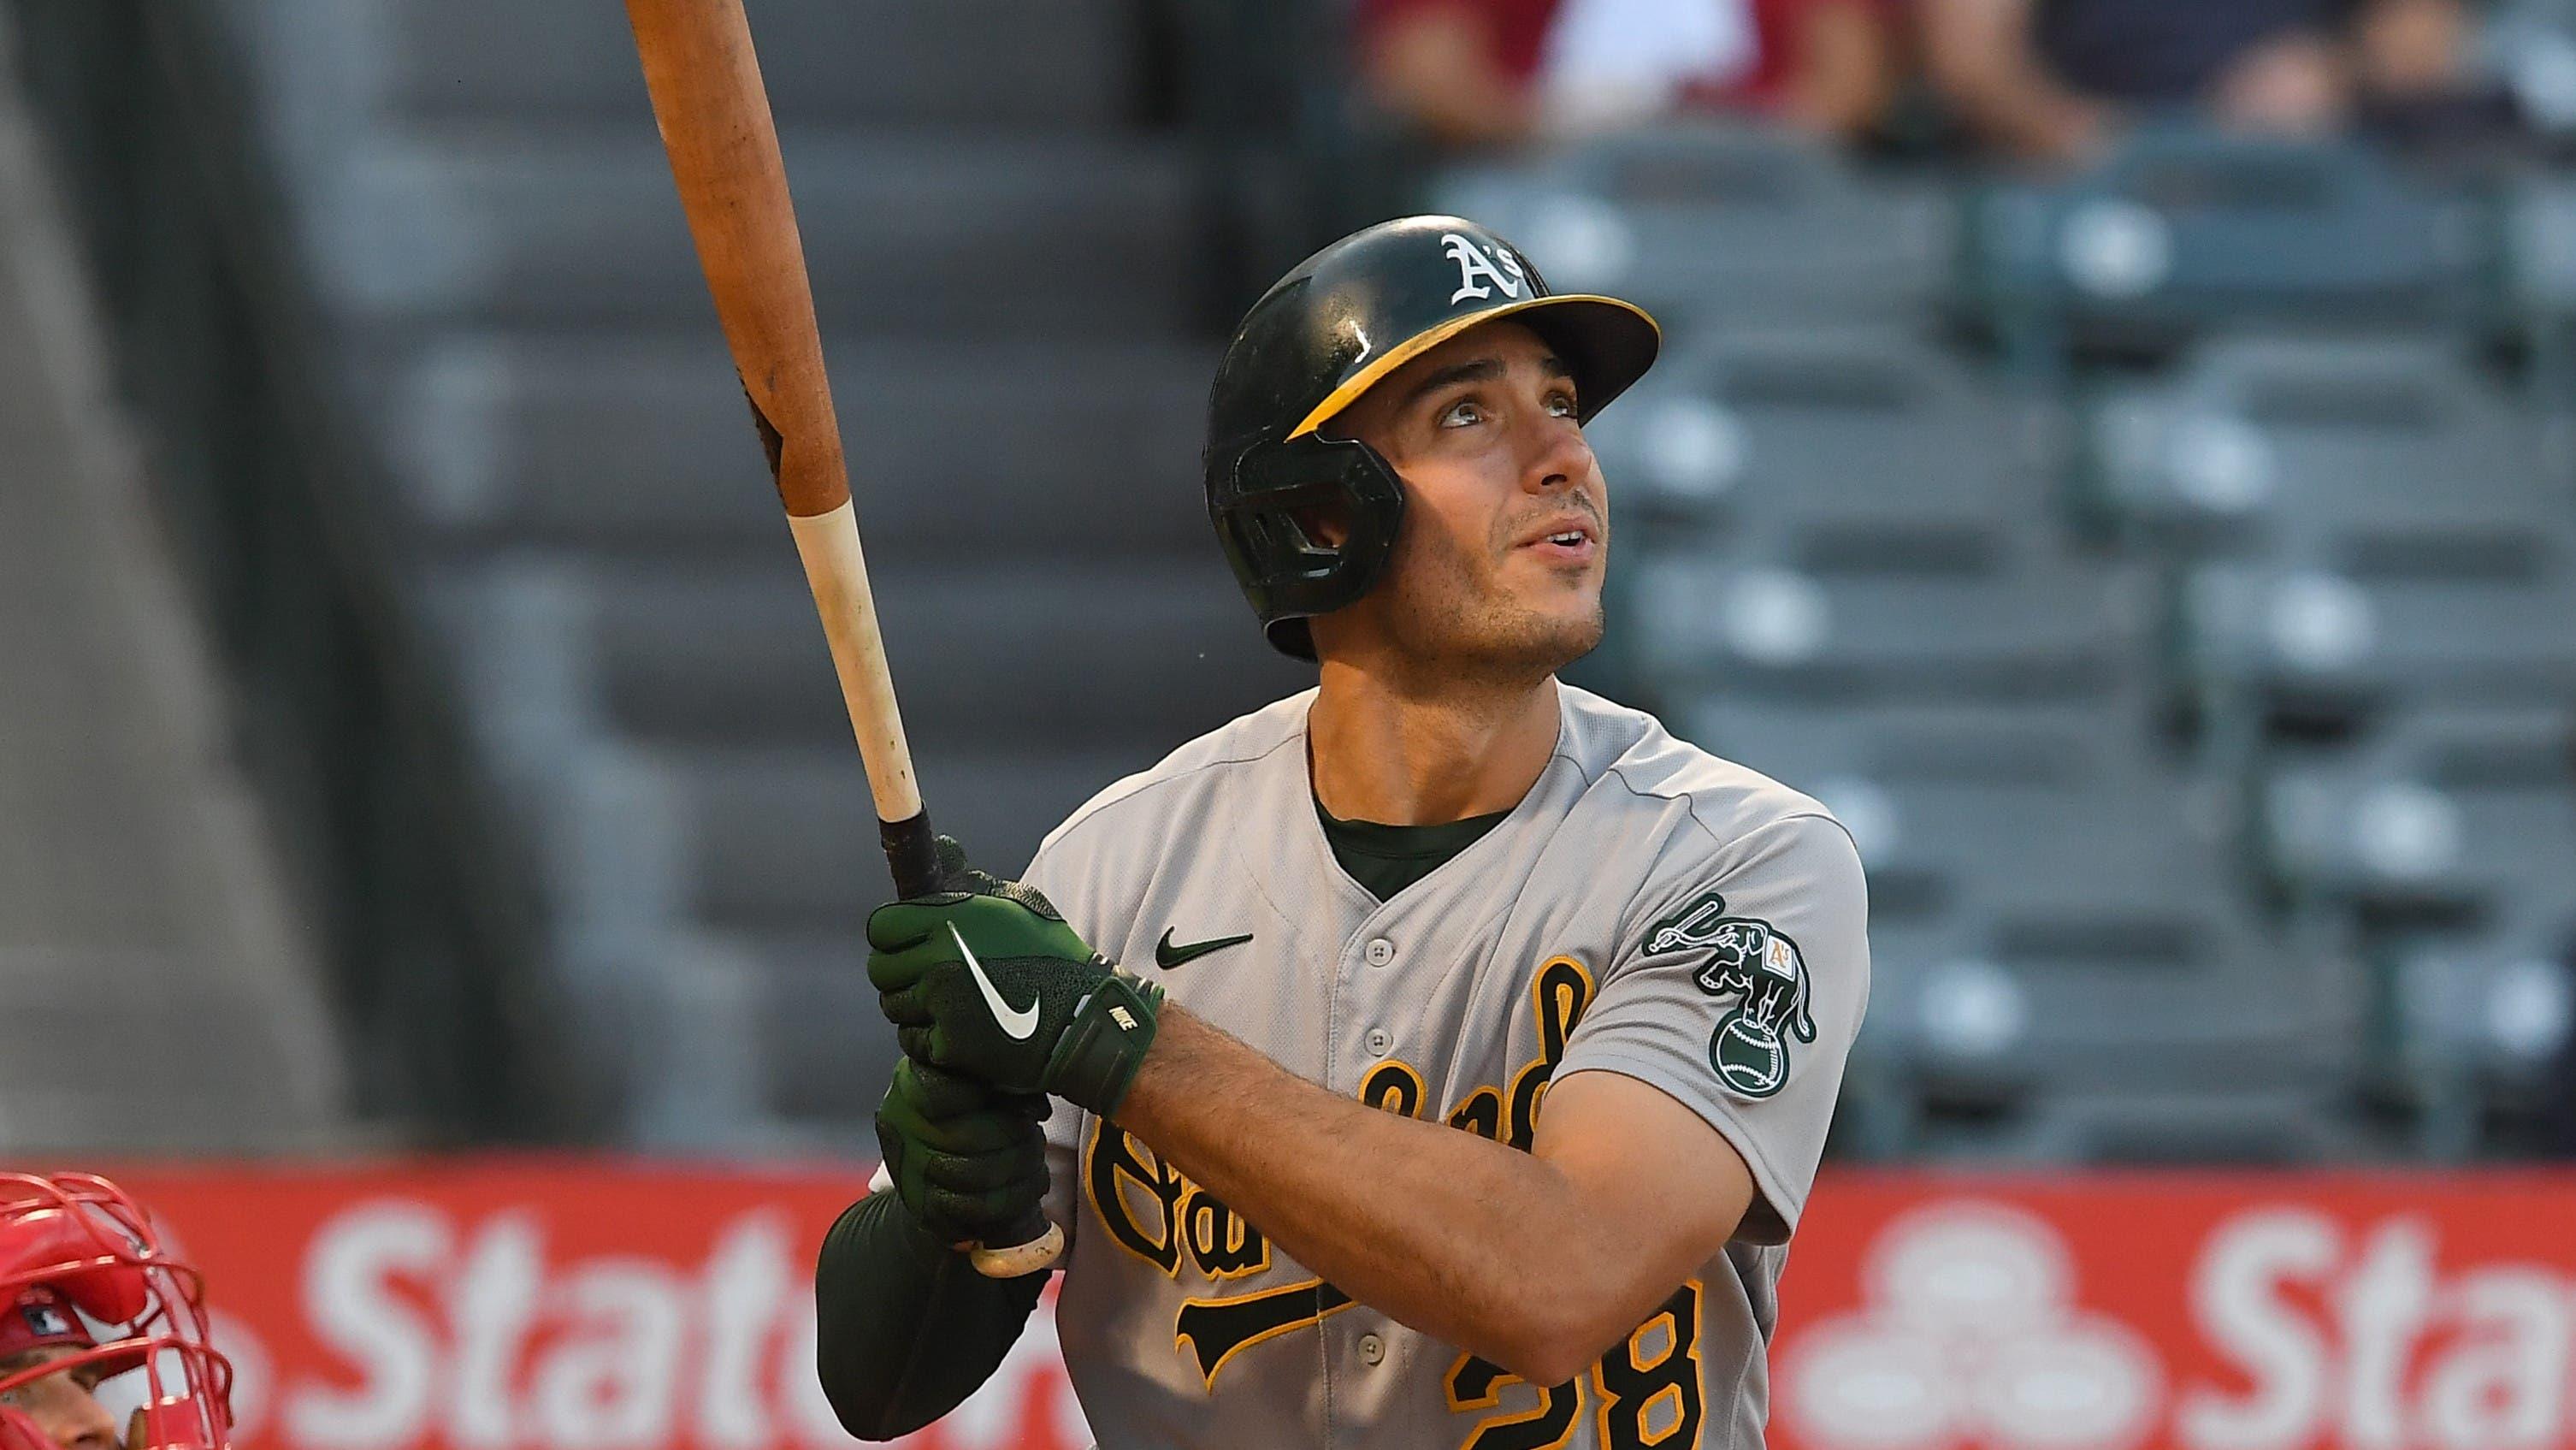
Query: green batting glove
point(990, 982)
point(969, 1163)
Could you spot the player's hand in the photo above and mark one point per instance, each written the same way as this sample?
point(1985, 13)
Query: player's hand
point(969, 1163)
point(987, 980)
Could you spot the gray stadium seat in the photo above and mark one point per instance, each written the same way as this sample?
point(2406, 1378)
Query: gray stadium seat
point(1827, 449)
point(2051, 915)
point(731, 1043)
point(955, 447)
point(2442, 845)
point(2478, 1015)
point(825, 1047)
point(777, 840)
point(2183, 228)
point(2444, 808)
point(2311, 642)
point(1695, 618)
point(2329, 450)
point(1060, 658)
point(1067, 63)
point(953, 233)
point(1716, 222)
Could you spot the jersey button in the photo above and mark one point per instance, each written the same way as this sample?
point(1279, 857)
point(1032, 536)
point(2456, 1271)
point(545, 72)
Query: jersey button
point(1379, 1040)
point(1380, 951)
point(1372, 1349)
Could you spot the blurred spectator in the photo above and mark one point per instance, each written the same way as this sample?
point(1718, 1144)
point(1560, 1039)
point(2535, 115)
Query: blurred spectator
point(1482, 73)
point(2053, 80)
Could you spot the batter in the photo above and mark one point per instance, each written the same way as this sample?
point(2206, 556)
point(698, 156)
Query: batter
point(1438, 1057)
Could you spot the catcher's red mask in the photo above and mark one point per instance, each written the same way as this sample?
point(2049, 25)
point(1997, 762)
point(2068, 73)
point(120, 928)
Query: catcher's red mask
point(81, 1268)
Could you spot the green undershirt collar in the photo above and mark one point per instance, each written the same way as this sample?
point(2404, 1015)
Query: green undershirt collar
point(1387, 859)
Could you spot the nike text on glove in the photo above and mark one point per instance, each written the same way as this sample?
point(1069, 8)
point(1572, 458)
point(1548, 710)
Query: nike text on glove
point(994, 985)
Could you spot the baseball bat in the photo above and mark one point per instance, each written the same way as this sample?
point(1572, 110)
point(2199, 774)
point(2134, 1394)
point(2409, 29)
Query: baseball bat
point(713, 111)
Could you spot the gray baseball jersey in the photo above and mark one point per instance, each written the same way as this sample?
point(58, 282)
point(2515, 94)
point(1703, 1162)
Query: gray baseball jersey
point(1647, 909)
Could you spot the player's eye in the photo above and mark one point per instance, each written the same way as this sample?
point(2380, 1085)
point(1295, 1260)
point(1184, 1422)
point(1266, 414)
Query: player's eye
point(1561, 404)
point(1463, 413)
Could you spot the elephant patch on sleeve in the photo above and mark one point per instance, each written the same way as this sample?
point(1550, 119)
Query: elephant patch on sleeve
point(1761, 972)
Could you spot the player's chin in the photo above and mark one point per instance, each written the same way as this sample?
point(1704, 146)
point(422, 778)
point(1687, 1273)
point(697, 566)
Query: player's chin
point(1564, 631)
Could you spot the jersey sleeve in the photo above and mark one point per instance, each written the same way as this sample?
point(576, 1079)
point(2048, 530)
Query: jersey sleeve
point(1737, 990)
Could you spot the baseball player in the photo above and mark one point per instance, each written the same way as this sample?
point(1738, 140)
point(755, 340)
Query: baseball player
point(77, 1253)
point(1441, 1056)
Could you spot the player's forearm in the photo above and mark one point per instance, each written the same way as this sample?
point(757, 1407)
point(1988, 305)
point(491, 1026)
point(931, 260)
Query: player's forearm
point(1436, 1228)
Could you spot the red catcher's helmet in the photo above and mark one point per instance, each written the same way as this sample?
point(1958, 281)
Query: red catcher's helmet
point(74, 1242)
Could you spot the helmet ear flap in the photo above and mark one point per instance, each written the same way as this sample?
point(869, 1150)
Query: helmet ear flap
point(1261, 503)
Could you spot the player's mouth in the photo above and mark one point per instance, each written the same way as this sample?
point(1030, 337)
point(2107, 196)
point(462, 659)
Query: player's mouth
point(1568, 539)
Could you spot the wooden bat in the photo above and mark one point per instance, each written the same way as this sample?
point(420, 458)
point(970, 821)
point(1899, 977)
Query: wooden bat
point(713, 110)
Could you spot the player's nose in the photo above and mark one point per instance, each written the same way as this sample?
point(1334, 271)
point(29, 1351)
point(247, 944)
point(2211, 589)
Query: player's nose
point(1558, 458)
point(86, 1424)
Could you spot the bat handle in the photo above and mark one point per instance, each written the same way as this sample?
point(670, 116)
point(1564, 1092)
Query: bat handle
point(1038, 1242)
point(912, 853)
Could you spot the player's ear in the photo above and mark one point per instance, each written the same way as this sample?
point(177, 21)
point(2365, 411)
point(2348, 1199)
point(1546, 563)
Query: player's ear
point(1325, 524)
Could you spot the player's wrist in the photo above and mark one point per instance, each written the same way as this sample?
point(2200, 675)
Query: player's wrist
point(1095, 1061)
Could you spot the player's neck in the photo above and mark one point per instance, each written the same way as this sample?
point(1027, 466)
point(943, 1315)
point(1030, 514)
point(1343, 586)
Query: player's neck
point(1378, 753)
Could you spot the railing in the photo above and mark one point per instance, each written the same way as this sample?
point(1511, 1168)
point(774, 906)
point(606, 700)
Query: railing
point(427, 920)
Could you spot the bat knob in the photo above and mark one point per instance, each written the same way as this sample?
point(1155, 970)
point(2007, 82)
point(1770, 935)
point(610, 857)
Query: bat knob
point(1031, 1245)
point(1038, 1246)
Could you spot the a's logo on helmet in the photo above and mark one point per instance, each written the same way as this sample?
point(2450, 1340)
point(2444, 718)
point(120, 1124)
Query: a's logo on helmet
point(1763, 972)
point(1498, 266)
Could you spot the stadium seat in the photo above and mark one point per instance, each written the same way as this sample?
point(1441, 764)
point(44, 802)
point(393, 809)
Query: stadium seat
point(735, 656)
point(1717, 224)
point(2330, 451)
point(2280, 640)
point(2477, 1015)
point(2443, 809)
point(1069, 64)
point(571, 226)
point(2184, 228)
point(955, 446)
point(2050, 914)
point(2229, 1125)
point(1697, 618)
point(779, 840)
point(2442, 845)
point(1827, 449)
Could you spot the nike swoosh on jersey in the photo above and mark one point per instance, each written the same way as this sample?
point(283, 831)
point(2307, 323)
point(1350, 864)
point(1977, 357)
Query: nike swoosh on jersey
point(1168, 956)
point(1018, 1025)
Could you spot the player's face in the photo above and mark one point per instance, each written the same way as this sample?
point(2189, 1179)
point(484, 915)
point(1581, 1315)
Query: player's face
point(1506, 531)
point(64, 1405)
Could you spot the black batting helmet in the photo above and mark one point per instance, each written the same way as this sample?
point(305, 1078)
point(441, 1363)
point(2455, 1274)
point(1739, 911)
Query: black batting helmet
point(1342, 319)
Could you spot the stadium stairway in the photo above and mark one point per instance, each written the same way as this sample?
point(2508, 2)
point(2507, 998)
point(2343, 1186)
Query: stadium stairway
point(155, 993)
point(995, 236)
